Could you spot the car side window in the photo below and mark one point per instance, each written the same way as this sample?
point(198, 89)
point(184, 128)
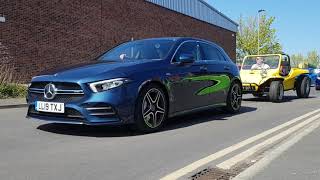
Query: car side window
point(211, 53)
point(190, 48)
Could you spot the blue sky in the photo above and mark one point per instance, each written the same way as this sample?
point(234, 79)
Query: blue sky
point(297, 21)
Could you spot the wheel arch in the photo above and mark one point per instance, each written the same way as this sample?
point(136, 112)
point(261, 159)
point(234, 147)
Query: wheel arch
point(158, 83)
point(237, 80)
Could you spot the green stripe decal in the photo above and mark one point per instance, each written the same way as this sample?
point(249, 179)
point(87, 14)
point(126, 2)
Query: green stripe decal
point(221, 82)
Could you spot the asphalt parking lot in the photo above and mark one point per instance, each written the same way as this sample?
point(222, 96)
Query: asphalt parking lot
point(38, 150)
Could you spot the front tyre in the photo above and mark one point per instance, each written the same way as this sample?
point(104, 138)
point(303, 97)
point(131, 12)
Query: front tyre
point(151, 109)
point(276, 91)
point(303, 87)
point(234, 98)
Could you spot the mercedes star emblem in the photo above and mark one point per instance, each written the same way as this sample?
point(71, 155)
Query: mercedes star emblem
point(49, 91)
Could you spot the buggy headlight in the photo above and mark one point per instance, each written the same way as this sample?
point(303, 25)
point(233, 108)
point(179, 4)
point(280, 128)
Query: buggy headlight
point(107, 84)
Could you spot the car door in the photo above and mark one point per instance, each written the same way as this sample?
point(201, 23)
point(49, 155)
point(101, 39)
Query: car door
point(218, 74)
point(183, 79)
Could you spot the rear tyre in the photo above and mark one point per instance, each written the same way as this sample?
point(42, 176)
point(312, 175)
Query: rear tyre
point(151, 109)
point(234, 98)
point(276, 91)
point(303, 87)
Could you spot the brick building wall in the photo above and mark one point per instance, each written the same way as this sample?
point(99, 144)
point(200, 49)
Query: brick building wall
point(41, 35)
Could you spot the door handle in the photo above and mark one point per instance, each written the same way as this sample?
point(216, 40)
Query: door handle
point(227, 68)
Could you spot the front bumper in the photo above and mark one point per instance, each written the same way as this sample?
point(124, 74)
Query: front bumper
point(113, 107)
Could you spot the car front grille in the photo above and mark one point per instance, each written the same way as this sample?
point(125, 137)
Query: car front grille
point(65, 92)
point(59, 98)
point(59, 85)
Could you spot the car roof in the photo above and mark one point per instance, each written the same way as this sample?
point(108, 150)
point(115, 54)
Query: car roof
point(177, 39)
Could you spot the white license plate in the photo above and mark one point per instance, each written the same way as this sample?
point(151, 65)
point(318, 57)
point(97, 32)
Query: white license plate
point(52, 107)
point(248, 88)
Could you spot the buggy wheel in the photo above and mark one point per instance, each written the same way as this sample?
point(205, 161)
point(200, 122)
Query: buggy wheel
point(276, 91)
point(303, 87)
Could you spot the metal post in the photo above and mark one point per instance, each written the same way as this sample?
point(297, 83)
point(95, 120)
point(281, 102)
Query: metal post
point(261, 10)
point(258, 33)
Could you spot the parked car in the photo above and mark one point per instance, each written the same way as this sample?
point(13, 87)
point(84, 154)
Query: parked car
point(141, 83)
point(313, 75)
point(317, 83)
point(271, 75)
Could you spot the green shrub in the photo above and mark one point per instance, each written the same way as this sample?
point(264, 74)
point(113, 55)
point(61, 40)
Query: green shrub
point(12, 91)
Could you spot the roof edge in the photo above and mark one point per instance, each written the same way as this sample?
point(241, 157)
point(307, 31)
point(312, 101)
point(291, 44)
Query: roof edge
point(220, 13)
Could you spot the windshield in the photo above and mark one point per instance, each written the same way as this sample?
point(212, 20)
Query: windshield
point(136, 50)
point(261, 62)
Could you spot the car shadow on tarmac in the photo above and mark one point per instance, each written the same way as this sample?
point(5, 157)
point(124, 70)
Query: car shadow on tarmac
point(123, 131)
point(286, 99)
point(216, 114)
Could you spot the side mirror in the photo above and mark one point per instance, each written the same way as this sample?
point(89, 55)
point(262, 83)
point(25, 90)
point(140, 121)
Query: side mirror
point(186, 58)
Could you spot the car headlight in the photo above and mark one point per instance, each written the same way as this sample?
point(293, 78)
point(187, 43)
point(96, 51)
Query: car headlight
point(107, 84)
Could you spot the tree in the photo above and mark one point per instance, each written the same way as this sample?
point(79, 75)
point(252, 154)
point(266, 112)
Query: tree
point(247, 37)
point(313, 58)
point(297, 59)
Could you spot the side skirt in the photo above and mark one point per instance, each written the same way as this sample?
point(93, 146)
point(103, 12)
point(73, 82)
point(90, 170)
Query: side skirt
point(196, 110)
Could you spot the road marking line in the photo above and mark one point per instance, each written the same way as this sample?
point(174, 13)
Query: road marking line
point(244, 155)
point(273, 154)
point(197, 164)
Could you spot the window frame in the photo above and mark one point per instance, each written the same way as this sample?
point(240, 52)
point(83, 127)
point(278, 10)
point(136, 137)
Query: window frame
point(178, 48)
point(223, 58)
point(98, 58)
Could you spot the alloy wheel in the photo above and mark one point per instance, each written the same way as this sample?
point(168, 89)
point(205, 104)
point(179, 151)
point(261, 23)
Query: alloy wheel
point(236, 97)
point(153, 108)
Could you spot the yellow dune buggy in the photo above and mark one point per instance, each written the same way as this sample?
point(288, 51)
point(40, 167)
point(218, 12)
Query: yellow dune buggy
point(271, 75)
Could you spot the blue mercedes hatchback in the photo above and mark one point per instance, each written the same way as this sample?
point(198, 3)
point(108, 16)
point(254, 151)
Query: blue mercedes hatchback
point(140, 83)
